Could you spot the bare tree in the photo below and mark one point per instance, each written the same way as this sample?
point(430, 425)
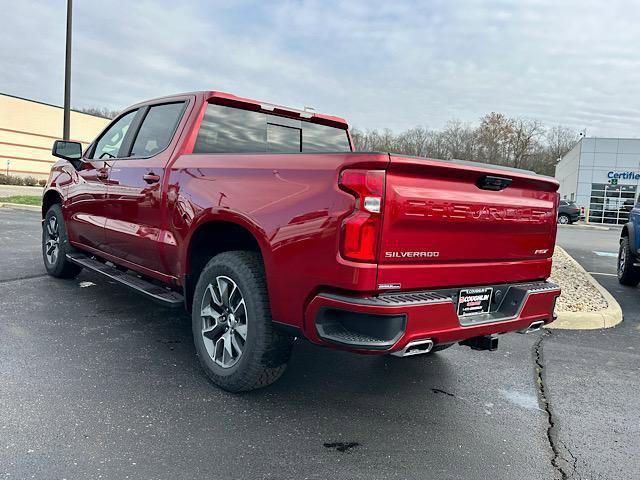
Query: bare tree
point(414, 141)
point(516, 142)
point(523, 140)
point(494, 135)
point(358, 137)
point(99, 112)
point(560, 140)
point(460, 141)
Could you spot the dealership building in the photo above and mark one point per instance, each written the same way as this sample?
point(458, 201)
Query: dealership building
point(602, 176)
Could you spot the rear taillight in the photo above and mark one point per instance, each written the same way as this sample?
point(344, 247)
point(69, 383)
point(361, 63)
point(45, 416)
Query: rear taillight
point(361, 229)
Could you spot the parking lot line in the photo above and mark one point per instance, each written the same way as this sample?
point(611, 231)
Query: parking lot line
point(605, 254)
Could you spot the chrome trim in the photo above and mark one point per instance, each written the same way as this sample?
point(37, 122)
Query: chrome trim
point(405, 353)
point(534, 327)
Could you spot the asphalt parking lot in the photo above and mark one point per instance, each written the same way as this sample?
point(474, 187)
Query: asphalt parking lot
point(98, 382)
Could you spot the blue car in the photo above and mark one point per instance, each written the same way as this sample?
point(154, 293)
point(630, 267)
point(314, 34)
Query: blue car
point(628, 255)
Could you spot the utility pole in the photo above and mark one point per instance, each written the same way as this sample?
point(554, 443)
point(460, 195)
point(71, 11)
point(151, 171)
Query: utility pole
point(67, 76)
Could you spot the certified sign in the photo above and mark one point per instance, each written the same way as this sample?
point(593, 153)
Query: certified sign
point(623, 175)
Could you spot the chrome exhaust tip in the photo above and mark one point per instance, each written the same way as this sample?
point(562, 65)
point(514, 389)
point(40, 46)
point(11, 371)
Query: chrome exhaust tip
point(534, 327)
point(417, 347)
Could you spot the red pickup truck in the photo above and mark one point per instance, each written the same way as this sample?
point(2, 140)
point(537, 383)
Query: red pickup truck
point(266, 226)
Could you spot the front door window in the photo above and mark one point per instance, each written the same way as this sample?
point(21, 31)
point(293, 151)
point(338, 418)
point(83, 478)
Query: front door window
point(109, 144)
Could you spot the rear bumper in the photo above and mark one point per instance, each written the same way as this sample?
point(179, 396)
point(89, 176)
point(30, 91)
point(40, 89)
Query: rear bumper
point(388, 322)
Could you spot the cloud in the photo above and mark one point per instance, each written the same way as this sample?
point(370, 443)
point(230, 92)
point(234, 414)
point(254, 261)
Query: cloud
point(396, 64)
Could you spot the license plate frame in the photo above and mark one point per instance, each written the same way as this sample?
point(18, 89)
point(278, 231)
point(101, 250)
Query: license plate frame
point(474, 301)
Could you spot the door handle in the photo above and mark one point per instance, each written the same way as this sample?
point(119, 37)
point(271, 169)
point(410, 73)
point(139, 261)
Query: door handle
point(102, 174)
point(151, 177)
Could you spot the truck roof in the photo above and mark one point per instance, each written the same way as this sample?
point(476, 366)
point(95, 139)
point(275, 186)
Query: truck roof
point(224, 98)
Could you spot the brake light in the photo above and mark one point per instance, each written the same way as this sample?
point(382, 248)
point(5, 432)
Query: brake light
point(360, 230)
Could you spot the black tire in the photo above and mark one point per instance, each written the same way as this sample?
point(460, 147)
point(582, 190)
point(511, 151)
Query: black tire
point(627, 273)
point(564, 219)
point(55, 245)
point(265, 351)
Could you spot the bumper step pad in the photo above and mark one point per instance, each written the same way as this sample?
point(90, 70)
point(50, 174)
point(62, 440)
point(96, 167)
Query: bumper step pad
point(340, 334)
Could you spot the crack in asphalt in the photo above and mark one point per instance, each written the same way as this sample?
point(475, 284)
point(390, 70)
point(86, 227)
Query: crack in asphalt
point(574, 458)
point(27, 277)
point(438, 390)
point(342, 446)
point(554, 443)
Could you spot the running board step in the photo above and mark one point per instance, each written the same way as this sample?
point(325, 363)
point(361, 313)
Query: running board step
point(164, 296)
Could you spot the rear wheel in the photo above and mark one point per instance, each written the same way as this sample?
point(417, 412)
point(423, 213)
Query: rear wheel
point(232, 327)
point(564, 219)
point(55, 245)
point(628, 274)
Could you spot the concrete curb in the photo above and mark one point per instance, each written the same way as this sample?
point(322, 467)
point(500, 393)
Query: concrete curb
point(584, 225)
point(607, 318)
point(19, 206)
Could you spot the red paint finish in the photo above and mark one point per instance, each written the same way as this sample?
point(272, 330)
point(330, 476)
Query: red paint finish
point(453, 233)
point(293, 207)
point(86, 199)
point(135, 228)
point(143, 213)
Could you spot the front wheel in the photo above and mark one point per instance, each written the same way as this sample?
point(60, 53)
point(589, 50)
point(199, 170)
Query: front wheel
point(628, 274)
point(233, 332)
point(55, 245)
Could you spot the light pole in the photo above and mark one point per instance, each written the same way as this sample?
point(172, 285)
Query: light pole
point(67, 76)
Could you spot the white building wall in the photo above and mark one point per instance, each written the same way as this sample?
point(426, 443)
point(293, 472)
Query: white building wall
point(567, 173)
point(587, 169)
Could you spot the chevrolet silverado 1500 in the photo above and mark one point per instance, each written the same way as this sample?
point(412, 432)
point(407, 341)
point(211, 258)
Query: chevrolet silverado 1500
point(266, 225)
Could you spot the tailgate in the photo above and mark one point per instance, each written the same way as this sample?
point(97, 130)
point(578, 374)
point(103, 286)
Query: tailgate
point(447, 214)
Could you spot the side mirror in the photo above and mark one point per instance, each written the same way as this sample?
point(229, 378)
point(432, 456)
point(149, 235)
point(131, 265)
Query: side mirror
point(71, 151)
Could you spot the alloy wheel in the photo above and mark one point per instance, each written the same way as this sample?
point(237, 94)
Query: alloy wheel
point(52, 243)
point(622, 260)
point(224, 321)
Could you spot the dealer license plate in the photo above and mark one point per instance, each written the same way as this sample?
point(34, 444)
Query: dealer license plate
point(474, 301)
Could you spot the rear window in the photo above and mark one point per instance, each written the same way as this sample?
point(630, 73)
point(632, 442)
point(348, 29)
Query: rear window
point(320, 138)
point(232, 130)
point(283, 139)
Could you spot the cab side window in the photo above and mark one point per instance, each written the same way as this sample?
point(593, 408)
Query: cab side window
point(109, 144)
point(157, 129)
point(233, 130)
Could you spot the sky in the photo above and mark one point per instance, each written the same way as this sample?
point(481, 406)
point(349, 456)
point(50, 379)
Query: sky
point(389, 64)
